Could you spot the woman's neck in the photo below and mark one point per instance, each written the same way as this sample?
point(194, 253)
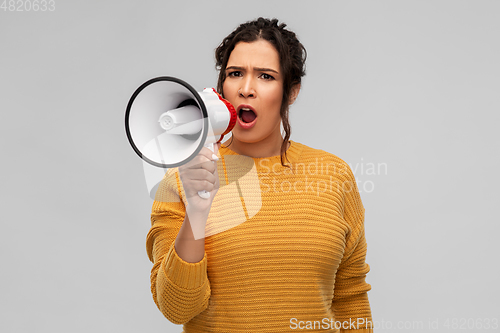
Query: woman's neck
point(265, 148)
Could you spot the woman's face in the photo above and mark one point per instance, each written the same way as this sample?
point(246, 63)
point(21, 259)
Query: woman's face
point(254, 85)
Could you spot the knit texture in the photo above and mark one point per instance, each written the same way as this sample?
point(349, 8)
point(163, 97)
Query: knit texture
point(291, 257)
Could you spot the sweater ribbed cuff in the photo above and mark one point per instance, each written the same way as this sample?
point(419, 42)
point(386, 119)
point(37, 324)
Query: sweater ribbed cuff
point(182, 273)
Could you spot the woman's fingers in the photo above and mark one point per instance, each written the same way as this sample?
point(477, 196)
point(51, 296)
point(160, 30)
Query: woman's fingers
point(197, 175)
point(193, 183)
point(200, 174)
point(204, 160)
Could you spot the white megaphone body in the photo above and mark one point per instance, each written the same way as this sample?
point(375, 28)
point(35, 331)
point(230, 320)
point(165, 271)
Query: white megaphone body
point(168, 122)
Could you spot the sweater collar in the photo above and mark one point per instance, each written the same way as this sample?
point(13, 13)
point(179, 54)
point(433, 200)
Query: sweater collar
point(292, 154)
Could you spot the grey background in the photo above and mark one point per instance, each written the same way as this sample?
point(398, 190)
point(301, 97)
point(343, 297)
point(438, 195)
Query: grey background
point(412, 85)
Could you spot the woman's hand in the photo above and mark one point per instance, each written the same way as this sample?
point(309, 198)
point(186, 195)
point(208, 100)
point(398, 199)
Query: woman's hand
point(200, 174)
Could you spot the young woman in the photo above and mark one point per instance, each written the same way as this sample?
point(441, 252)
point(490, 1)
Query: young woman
point(298, 261)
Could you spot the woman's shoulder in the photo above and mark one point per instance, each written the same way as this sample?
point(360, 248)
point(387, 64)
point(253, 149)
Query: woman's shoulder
point(312, 154)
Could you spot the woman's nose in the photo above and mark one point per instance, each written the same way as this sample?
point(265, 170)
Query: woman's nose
point(247, 89)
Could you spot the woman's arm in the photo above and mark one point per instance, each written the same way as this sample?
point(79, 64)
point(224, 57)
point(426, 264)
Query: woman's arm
point(179, 284)
point(350, 302)
point(187, 247)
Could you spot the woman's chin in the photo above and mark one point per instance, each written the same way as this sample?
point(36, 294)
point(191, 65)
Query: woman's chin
point(244, 136)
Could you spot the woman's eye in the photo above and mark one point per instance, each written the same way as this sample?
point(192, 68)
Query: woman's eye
point(266, 76)
point(234, 74)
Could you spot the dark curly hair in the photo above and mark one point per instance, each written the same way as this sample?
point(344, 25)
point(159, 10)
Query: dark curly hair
point(292, 55)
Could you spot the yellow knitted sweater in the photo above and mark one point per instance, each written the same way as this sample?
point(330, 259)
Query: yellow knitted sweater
point(291, 257)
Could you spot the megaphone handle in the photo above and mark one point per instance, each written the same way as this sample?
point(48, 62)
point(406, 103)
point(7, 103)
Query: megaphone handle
point(204, 194)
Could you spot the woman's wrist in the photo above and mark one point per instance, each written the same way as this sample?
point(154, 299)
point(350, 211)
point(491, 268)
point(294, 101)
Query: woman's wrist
point(189, 247)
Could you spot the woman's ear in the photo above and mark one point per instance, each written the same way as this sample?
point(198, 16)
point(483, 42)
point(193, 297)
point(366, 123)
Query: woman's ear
point(294, 93)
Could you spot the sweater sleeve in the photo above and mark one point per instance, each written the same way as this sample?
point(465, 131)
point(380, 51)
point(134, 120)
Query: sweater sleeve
point(350, 302)
point(181, 290)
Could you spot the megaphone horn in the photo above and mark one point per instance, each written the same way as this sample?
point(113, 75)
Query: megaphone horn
point(168, 122)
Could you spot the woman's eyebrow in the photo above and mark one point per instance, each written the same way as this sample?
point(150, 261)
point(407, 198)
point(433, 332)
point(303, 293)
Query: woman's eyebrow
point(258, 69)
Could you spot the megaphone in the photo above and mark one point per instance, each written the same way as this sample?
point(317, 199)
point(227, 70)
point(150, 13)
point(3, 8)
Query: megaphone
point(168, 122)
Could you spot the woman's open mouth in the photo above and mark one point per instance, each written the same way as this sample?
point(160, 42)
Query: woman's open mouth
point(246, 116)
